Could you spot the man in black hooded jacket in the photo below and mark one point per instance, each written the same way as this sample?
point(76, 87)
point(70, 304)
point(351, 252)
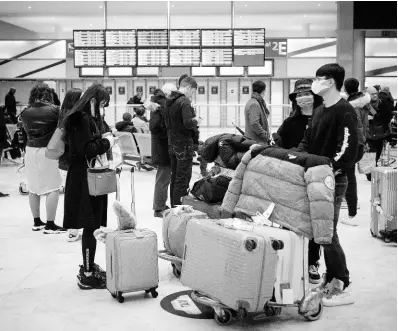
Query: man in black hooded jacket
point(181, 125)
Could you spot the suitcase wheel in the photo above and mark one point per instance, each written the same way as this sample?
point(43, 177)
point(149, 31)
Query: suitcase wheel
point(225, 318)
point(113, 295)
point(314, 317)
point(22, 190)
point(176, 272)
point(119, 297)
point(387, 239)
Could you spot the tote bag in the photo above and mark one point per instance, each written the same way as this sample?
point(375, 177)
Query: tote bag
point(367, 163)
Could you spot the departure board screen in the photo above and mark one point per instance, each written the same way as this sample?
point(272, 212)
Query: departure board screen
point(184, 38)
point(88, 38)
point(246, 37)
point(121, 57)
point(217, 57)
point(89, 57)
point(120, 38)
point(248, 57)
point(152, 38)
point(184, 57)
point(153, 57)
point(216, 38)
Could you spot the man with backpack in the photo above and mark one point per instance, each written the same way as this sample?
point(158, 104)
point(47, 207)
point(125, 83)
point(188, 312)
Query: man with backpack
point(358, 100)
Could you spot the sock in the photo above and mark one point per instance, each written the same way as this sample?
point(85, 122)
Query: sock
point(37, 221)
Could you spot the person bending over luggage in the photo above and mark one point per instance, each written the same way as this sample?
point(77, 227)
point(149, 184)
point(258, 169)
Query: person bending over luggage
point(160, 154)
point(333, 133)
point(81, 209)
point(182, 130)
point(126, 125)
point(358, 100)
point(140, 121)
point(289, 135)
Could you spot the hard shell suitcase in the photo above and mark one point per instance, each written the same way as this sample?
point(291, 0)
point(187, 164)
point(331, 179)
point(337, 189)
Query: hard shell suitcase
point(384, 203)
point(131, 262)
point(214, 211)
point(174, 230)
point(235, 267)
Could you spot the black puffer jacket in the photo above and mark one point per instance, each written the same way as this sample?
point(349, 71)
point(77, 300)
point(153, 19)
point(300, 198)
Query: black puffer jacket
point(126, 126)
point(157, 126)
point(229, 147)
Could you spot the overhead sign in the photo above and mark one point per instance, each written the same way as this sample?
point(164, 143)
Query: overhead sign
point(185, 57)
point(275, 47)
point(182, 38)
point(214, 38)
point(89, 57)
point(249, 37)
point(152, 38)
point(120, 38)
point(88, 38)
point(217, 57)
point(248, 57)
point(121, 57)
point(153, 57)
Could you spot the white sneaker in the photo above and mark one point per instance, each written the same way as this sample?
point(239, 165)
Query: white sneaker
point(336, 297)
point(348, 220)
point(73, 235)
point(344, 204)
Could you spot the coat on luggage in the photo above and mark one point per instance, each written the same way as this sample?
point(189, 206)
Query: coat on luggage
point(211, 189)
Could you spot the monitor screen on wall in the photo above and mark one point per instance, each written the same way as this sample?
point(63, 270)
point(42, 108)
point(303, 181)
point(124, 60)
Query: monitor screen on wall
point(375, 15)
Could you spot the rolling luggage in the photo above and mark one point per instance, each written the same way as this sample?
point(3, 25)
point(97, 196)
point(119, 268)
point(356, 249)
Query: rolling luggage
point(212, 210)
point(383, 222)
point(174, 230)
point(131, 256)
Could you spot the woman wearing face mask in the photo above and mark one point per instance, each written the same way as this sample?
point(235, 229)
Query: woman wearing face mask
point(83, 133)
point(289, 135)
point(291, 132)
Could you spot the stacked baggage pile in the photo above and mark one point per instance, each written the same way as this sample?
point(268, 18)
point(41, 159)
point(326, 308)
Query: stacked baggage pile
point(239, 267)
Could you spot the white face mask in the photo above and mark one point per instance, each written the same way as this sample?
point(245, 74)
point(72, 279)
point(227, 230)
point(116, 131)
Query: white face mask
point(320, 86)
point(305, 101)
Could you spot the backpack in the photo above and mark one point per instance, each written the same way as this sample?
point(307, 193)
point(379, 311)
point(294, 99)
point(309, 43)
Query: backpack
point(211, 189)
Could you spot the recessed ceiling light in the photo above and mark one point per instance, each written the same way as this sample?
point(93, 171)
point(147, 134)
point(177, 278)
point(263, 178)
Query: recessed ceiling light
point(91, 25)
point(145, 26)
point(245, 5)
point(319, 4)
point(172, 6)
point(52, 18)
point(100, 6)
point(305, 15)
point(29, 7)
point(240, 16)
point(114, 17)
point(182, 26)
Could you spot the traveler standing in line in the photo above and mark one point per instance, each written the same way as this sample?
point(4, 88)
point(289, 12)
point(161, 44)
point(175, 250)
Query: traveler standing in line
point(160, 154)
point(333, 133)
point(380, 115)
point(358, 100)
point(71, 98)
point(81, 209)
point(289, 135)
point(3, 140)
point(182, 130)
point(256, 115)
point(11, 105)
point(39, 121)
point(55, 98)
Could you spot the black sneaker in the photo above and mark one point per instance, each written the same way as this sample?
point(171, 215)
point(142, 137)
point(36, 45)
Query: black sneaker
point(314, 277)
point(38, 226)
point(90, 282)
point(53, 229)
point(3, 195)
point(97, 271)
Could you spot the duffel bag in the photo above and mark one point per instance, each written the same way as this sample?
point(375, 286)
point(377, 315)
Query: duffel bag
point(211, 189)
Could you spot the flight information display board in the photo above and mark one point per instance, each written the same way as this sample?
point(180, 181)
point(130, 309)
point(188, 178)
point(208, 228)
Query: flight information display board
point(217, 38)
point(152, 38)
point(185, 57)
point(120, 38)
point(88, 38)
point(89, 57)
point(249, 37)
point(153, 57)
point(184, 38)
point(248, 57)
point(217, 57)
point(121, 57)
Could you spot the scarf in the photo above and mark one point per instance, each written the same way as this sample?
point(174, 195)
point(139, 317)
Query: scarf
point(261, 101)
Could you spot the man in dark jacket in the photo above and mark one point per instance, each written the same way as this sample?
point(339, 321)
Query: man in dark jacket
point(126, 125)
point(11, 105)
point(160, 154)
point(333, 133)
point(182, 129)
point(358, 100)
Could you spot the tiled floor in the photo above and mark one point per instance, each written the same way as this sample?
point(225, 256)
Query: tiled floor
point(38, 288)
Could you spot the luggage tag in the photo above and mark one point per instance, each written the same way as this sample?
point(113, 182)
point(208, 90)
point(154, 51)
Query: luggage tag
point(376, 203)
point(263, 219)
point(136, 232)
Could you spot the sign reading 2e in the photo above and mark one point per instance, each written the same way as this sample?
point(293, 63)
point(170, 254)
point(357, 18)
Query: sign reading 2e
point(275, 48)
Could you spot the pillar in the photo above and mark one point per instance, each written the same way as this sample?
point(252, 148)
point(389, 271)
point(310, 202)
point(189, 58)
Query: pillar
point(307, 29)
point(345, 36)
point(358, 65)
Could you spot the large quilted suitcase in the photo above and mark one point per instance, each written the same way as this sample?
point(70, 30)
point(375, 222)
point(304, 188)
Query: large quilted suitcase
point(235, 267)
point(174, 230)
point(131, 262)
point(214, 211)
point(384, 203)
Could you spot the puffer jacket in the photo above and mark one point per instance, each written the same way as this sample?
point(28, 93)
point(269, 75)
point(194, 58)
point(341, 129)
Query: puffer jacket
point(359, 101)
point(301, 185)
point(229, 147)
point(39, 121)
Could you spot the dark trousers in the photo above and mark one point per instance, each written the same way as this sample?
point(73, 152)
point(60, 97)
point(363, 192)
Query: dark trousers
point(351, 195)
point(181, 155)
point(314, 252)
point(376, 146)
point(89, 247)
point(163, 177)
point(336, 265)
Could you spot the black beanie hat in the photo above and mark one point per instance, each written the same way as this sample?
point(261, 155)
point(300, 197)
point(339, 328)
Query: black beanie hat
point(351, 85)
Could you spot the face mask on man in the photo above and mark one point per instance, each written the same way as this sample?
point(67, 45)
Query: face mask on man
point(320, 86)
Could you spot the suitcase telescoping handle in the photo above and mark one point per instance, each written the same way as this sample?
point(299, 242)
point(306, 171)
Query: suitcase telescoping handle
point(118, 172)
point(132, 170)
point(165, 255)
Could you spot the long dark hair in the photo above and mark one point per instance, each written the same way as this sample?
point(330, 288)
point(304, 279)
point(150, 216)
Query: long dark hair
point(40, 92)
point(296, 111)
point(71, 98)
point(99, 93)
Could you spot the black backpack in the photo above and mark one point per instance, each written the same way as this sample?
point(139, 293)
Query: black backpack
point(211, 189)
